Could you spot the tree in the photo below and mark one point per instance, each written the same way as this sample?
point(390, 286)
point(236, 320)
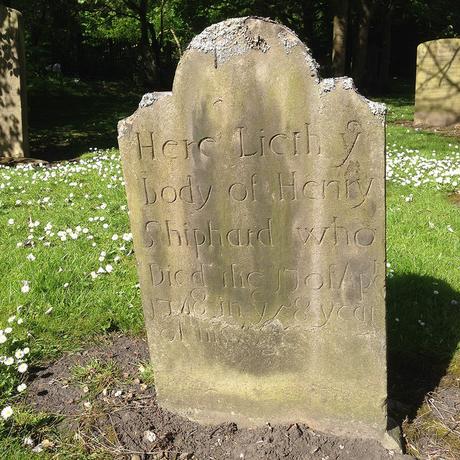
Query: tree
point(364, 10)
point(113, 18)
point(144, 39)
point(385, 60)
point(339, 37)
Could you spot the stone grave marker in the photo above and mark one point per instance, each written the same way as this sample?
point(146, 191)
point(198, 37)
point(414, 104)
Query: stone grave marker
point(437, 87)
point(257, 204)
point(13, 114)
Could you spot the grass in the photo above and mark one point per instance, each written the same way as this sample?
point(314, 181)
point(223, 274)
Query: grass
point(147, 374)
point(425, 280)
point(96, 376)
point(68, 306)
point(80, 310)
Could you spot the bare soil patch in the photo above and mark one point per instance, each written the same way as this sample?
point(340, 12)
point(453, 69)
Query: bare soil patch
point(111, 409)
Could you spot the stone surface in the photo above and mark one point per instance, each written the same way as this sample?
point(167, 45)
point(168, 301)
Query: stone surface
point(257, 205)
point(437, 87)
point(13, 117)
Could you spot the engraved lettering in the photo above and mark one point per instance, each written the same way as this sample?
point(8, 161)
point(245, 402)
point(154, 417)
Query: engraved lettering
point(350, 138)
point(276, 137)
point(149, 148)
point(165, 149)
point(202, 145)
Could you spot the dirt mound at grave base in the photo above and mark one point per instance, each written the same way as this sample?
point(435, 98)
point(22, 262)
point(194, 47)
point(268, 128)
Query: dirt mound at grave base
point(103, 397)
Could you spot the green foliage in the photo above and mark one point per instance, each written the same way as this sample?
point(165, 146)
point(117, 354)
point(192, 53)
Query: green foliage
point(121, 39)
point(101, 25)
point(437, 19)
point(147, 373)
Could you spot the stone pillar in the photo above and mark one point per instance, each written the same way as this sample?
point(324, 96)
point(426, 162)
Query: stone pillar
point(13, 108)
point(437, 87)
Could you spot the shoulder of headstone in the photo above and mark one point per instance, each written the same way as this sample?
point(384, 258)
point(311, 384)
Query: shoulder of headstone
point(147, 100)
point(327, 85)
point(150, 98)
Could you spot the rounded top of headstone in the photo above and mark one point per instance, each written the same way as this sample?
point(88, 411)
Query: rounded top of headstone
point(440, 43)
point(241, 56)
point(237, 36)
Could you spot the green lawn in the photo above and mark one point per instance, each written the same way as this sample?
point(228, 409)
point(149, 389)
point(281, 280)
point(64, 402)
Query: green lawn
point(61, 226)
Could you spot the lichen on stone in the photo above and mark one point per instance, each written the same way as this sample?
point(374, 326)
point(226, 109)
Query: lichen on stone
point(377, 108)
point(289, 40)
point(227, 39)
point(327, 85)
point(348, 83)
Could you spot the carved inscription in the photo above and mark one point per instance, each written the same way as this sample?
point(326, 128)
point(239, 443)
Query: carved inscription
point(252, 297)
point(292, 186)
point(300, 142)
point(305, 317)
point(261, 286)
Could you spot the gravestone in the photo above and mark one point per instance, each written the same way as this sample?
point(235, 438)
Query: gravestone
point(257, 205)
point(13, 114)
point(437, 87)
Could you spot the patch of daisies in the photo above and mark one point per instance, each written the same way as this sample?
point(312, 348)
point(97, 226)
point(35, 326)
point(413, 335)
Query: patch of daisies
point(105, 164)
point(14, 352)
point(411, 167)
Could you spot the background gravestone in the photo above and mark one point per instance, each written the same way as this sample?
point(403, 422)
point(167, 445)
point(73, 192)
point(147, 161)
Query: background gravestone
point(13, 113)
point(437, 88)
point(256, 197)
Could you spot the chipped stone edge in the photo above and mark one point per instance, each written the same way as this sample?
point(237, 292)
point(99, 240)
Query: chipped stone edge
point(378, 109)
point(147, 100)
point(124, 126)
point(150, 98)
point(327, 85)
point(204, 42)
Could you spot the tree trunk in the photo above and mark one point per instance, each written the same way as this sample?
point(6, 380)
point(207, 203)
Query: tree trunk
point(148, 46)
point(339, 37)
point(360, 52)
point(384, 72)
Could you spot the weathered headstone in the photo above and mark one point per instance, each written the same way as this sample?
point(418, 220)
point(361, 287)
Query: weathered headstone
point(437, 87)
point(13, 116)
point(257, 205)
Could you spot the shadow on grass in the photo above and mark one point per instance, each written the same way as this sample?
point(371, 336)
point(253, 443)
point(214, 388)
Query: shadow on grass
point(68, 117)
point(423, 335)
